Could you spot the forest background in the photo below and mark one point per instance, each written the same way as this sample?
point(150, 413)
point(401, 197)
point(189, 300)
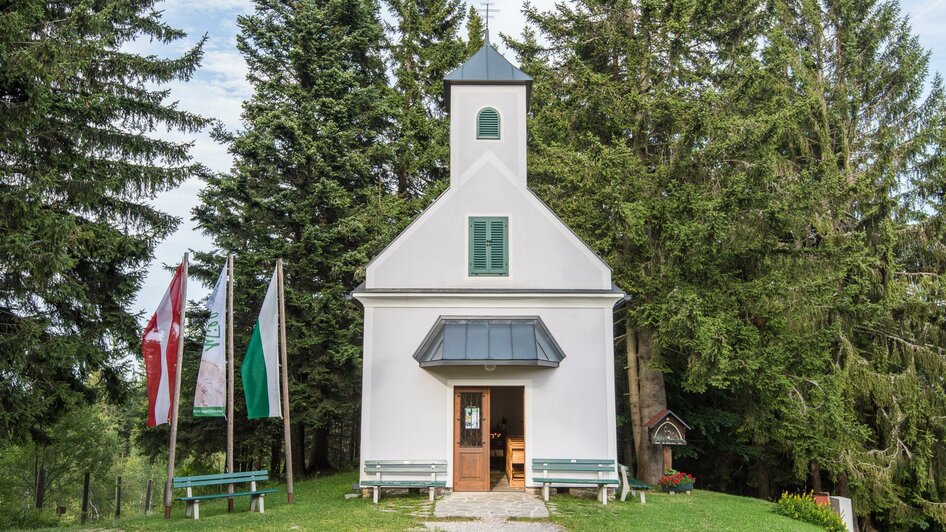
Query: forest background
point(765, 179)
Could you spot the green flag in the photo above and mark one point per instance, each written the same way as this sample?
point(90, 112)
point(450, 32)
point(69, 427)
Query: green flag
point(260, 369)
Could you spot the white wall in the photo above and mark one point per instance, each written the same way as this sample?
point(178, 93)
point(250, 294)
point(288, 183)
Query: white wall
point(433, 251)
point(407, 411)
point(466, 101)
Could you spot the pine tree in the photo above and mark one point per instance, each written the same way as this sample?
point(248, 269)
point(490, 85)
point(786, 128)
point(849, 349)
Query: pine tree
point(308, 185)
point(78, 166)
point(424, 47)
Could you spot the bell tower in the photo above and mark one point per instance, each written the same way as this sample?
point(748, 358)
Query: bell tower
point(488, 99)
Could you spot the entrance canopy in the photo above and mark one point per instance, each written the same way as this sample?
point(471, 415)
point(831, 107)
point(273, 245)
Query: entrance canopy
point(508, 341)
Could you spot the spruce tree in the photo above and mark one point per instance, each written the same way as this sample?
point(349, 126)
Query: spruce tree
point(424, 46)
point(876, 144)
point(308, 185)
point(767, 186)
point(78, 166)
point(475, 31)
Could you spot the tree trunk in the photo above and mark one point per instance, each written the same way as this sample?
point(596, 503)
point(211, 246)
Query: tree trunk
point(653, 399)
point(633, 393)
point(842, 488)
point(353, 437)
point(762, 481)
point(319, 458)
point(815, 471)
point(275, 454)
point(298, 449)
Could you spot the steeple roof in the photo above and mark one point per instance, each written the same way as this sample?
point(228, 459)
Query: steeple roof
point(487, 66)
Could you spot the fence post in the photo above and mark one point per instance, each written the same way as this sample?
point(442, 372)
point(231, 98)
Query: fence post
point(118, 496)
point(85, 498)
point(148, 498)
point(40, 487)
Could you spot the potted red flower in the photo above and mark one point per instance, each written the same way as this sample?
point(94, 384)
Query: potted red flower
point(674, 481)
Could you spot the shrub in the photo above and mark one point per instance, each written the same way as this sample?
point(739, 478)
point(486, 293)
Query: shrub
point(24, 518)
point(804, 508)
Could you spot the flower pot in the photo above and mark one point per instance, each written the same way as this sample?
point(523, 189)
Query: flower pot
point(679, 488)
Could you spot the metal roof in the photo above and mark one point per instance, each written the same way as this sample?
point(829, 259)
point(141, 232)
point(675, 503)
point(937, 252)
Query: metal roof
point(487, 66)
point(506, 341)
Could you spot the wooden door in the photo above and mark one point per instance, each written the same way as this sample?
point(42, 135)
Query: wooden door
point(471, 439)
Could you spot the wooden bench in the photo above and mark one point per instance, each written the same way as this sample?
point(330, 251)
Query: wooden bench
point(631, 485)
point(564, 469)
point(223, 479)
point(422, 473)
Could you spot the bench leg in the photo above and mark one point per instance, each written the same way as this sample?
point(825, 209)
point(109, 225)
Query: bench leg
point(545, 492)
point(254, 503)
point(262, 504)
point(189, 510)
point(377, 494)
point(603, 495)
point(196, 510)
point(433, 491)
point(643, 497)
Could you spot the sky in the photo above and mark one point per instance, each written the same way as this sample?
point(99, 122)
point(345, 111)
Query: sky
point(219, 88)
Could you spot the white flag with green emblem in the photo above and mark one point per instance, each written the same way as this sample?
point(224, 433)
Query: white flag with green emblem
point(260, 369)
point(211, 396)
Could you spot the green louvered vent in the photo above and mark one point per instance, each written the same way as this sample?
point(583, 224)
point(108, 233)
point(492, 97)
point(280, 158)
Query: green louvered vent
point(487, 124)
point(489, 246)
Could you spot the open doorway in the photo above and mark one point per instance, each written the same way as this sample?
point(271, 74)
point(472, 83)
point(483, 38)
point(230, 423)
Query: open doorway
point(507, 438)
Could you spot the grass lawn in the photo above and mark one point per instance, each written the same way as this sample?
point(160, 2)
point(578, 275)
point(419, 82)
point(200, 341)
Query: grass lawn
point(320, 505)
point(703, 510)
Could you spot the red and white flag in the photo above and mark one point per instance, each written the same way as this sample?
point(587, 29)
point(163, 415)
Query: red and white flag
point(159, 347)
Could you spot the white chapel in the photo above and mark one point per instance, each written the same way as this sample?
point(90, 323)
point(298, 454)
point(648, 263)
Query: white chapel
point(488, 339)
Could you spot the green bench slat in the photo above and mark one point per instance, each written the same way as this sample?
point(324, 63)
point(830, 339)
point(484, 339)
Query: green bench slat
point(405, 470)
point(406, 462)
point(572, 468)
point(226, 495)
point(404, 484)
point(576, 465)
point(572, 461)
point(217, 476)
point(220, 479)
point(543, 480)
point(221, 482)
point(407, 467)
point(637, 484)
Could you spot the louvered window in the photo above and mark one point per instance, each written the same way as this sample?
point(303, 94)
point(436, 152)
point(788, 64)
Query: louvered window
point(487, 124)
point(489, 246)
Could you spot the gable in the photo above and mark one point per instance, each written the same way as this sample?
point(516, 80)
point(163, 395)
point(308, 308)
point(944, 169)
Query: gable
point(432, 253)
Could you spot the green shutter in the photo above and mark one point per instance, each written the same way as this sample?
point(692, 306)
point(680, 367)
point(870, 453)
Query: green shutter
point(479, 260)
point(489, 246)
point(487, 124)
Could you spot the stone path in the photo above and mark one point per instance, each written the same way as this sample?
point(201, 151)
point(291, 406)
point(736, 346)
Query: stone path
point(486, 505)
point(493, 524)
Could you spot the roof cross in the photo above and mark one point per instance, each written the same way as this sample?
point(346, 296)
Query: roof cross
point(487, 12)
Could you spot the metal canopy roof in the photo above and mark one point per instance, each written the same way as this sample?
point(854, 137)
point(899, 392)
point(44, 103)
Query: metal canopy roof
point(518, 341)
point(487, 66)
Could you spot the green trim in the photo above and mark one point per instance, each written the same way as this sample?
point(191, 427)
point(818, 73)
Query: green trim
point(489, 246)
point(487, 124)
point(209, 411)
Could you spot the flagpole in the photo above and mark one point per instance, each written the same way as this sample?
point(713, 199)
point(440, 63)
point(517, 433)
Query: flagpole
point(285, 380)
point(172, 443)
point(230, 375)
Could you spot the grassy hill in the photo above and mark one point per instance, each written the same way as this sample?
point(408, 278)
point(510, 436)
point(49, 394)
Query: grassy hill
point(320, 505)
